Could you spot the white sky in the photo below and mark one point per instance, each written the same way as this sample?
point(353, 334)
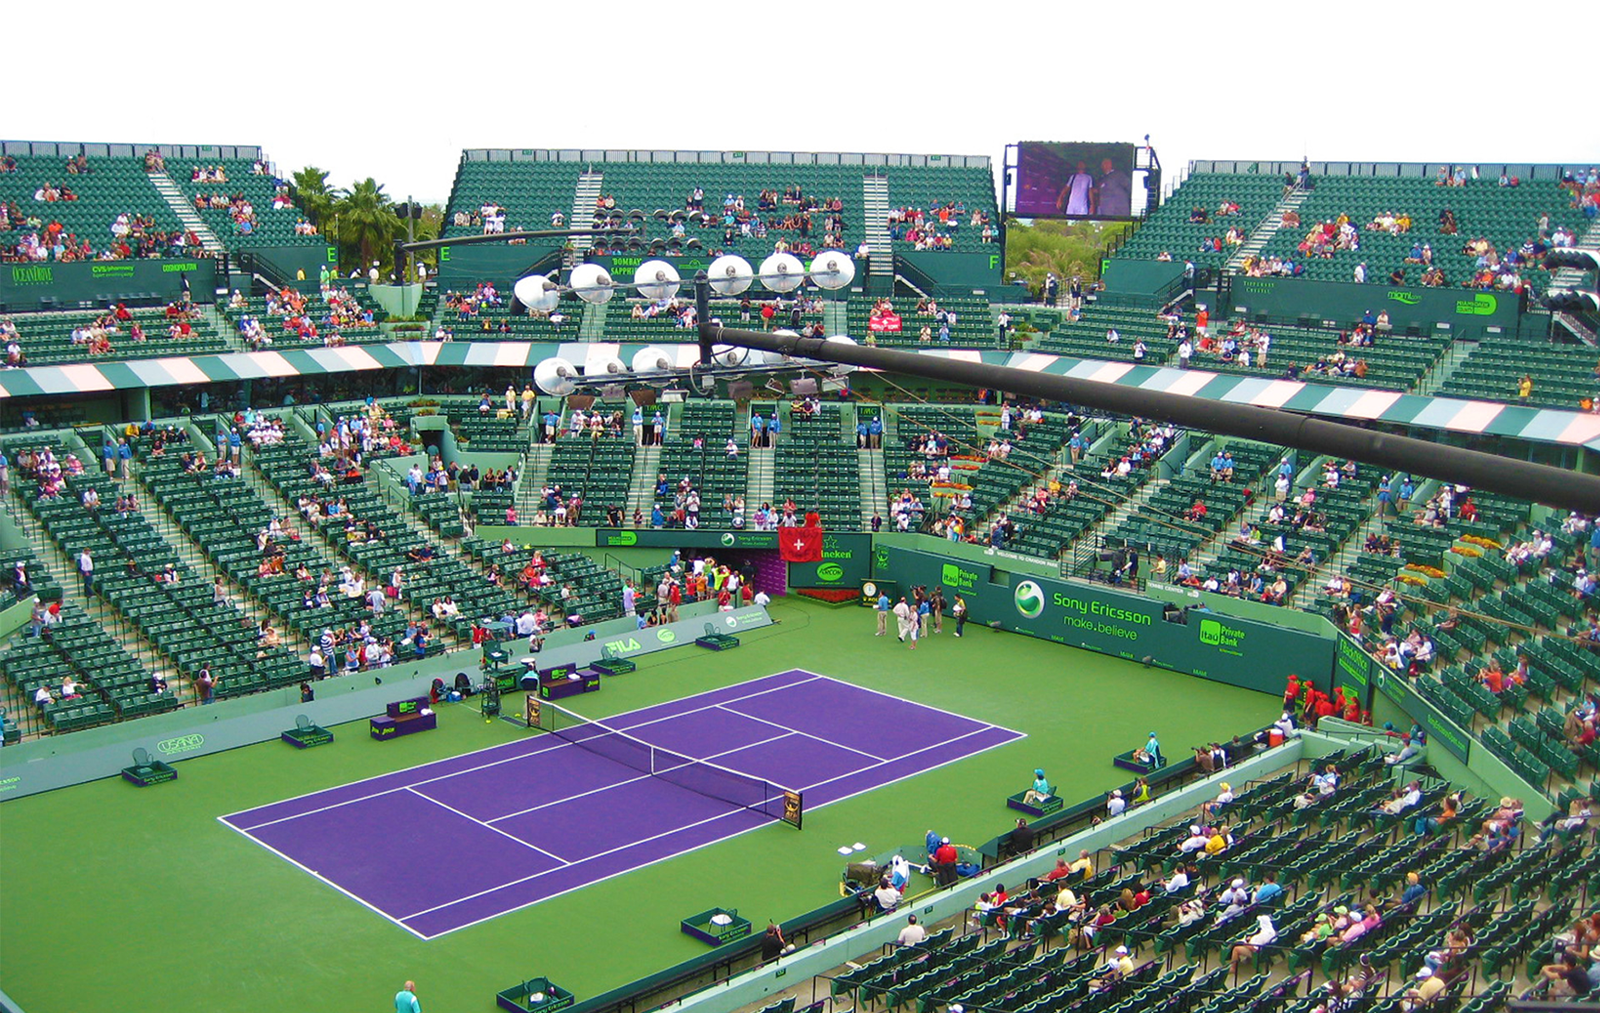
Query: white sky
point(1392, 81)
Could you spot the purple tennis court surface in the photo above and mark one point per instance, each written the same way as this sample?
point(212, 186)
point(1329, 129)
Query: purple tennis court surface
point(541, 817)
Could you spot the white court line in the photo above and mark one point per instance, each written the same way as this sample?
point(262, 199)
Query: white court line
point(708, 707)
point(502, 833)
point(717, 840)
point(492, 763)
point(646, 777)
point(808, 735)
point(589, 858)
point(913, 703)
point(323, 879)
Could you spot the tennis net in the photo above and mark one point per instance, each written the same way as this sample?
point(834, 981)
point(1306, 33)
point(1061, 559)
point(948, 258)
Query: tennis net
point(699, 776)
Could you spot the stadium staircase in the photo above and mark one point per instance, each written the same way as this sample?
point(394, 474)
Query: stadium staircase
point(875, 202)
point(762, 476)
point(1263, 233)
point(874, 492)
point(1438, 374)
point(583, 198)
point(530, 484)
point(1094, 536)
point(592, 325)
point(182, 207)
point(642, 490)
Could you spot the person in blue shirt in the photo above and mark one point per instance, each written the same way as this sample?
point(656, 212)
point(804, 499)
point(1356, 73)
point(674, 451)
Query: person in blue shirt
point(1269, 891)
point(861, 434)
point(875, 432)
point(774, 427)
point(1076, 445)
point(1407, 490)
point(1040, 791)
point(108, 453)
point(924, 610)
point(405, 999)
point(758, 429)
point(658, 429)
point(1594, 546)
point(1369, 318)
point(638, 426)
point(1217, 464)
point(5, 473)
point(883, 620)
point(125, 456)
point(658, 520)
point(1153, 747)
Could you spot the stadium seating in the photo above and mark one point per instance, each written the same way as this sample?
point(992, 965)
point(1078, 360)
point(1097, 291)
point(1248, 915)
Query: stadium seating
point(649, 187)
point(530, 192)
point(1506, 216)
point(180, 618)
point(270, 227)
point(598, 470)
point(811, 470)
point(112, 187)
point(928, 187)
point(709, 468)
point(974, 323)
point(1160, 526)
point(1168, 229)
point(224, 518)
point(46, 338)
point(1563, 375)
point(425, 582)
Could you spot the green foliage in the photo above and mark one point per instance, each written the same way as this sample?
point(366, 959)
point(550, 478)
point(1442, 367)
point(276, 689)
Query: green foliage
point(366, 224)
point(1070, 249)
point(311, 192)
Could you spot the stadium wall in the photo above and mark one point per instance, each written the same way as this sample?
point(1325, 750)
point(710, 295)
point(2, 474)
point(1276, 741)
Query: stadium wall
point(28, 287)
point(1211, 645)
point(1463, 313)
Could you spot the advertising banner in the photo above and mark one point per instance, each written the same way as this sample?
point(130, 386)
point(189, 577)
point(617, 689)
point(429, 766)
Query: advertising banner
point(29, 286)
point(1239, 652)
point(1467, 312)
point(846, 562)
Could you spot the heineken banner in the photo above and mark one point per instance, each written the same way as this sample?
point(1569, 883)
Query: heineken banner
point(846, 562)
point(1469, 313)
point(1240, 652)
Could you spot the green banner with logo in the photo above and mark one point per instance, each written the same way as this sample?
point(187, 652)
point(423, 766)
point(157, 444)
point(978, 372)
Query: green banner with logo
point(680, 538)
point(846, 562)
point(1440, 729)
point(1353, 668)
point(32, 286)
point(1467, 312)
point(1240, 652)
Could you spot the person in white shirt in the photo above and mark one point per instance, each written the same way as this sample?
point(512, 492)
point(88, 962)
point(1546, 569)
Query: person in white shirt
point(763, 599)
point(887, 896)
point(1195, 841)
point(527, 625)
point(913, 934)
point(1179, 880)
point(1116, 804)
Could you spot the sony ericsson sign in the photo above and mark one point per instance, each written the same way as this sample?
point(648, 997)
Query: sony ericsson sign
point(1091, 614)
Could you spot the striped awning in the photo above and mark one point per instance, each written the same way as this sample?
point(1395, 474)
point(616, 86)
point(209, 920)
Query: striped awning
point(1356, 404)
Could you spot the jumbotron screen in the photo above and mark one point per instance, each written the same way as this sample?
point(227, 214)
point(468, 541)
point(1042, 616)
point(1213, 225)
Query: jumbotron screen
point(1057, 179)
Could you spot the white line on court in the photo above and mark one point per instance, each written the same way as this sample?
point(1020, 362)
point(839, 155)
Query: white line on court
point(502, 833)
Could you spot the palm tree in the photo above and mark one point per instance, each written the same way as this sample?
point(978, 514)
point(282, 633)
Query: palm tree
point(366, 220)
point(311, 193)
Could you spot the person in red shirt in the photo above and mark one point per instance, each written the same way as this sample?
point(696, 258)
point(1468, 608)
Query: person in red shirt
point(674, 599)
point(1324, 706)
point(1493, 678)
point(1292, 693)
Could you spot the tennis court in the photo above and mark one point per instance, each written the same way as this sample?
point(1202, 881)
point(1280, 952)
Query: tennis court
point(453, 843)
